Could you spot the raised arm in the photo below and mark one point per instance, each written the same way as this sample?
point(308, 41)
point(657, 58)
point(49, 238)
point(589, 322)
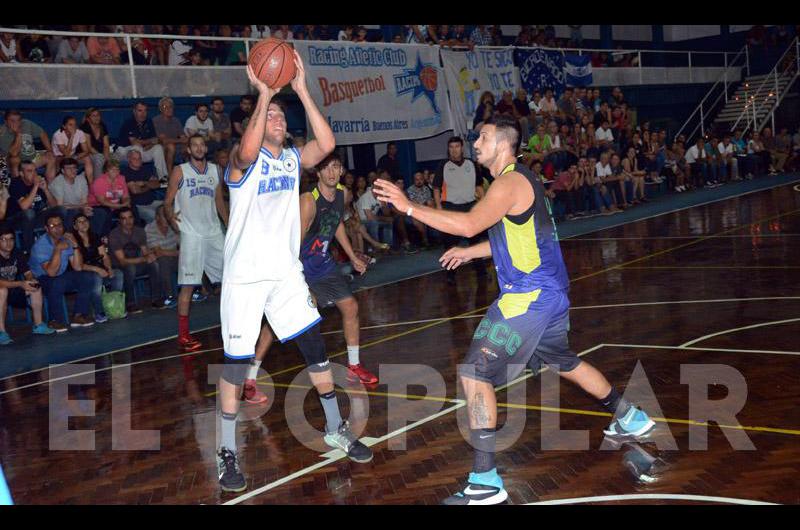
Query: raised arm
point(324, 141)
point(253, 137)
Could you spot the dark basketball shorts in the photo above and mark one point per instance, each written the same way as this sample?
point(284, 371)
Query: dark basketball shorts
point(519, 330)
point(17, 297)
point(330, 289)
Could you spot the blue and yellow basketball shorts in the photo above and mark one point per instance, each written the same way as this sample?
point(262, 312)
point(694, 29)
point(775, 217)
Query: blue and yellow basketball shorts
point(521, 329)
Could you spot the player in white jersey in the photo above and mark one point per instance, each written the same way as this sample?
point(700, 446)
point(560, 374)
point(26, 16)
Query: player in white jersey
point(196, 189)
point(263, 274)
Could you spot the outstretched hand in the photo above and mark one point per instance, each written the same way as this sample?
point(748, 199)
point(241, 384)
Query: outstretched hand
point(455, 257)
point(298, 82)
point(387, 191)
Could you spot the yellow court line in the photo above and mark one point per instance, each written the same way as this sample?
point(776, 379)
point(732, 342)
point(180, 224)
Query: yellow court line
point(367, 393)
point(583, 277)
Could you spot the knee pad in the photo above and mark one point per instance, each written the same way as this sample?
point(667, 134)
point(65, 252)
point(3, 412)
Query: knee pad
point(235, 370)
point(313, 349)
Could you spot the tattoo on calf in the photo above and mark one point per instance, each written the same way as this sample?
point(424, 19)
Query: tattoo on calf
point(480, 416)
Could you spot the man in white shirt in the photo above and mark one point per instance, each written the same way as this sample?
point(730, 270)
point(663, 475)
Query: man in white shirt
point(71, 192)
point(370, 212)
point(201, 124)
point(179, 49)
point(604, 136)
point(698, 164)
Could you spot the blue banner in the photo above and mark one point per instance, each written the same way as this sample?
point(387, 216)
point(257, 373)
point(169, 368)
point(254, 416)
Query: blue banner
point(541, 69)
point(578, 70)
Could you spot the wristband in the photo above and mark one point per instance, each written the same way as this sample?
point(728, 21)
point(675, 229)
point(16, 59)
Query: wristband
point(410, 211)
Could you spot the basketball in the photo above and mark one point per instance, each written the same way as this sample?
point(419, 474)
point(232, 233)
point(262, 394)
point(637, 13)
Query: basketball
point(272, 60)
point(428, 77)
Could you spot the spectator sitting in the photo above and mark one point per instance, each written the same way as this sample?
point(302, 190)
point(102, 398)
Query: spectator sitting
point(109, 192)
point(180, 49)
point(777, 157)
point(34, 49)
point(561, 191)
point(635, 175)
point(696, 158)
point(71, 142)
point(506, 103)
point(618, 183)
point(222, 125)
point(96, 261)
point(129, 252)
point(162, 242)
point(170, 132)
point(604, 136)
point(8, 48)
point(421, 194)
point(139, 133)
point(717, 165)
point(548, 105)
point(17, 286)
point(566, 105)
point(103, 50)
point(536, 108)
point(746, 160)
point(672, 171)
point(389, 161)
point(72, 50)
point(374, 216)
point(17, 138)
point(200, 123)
point(346, 33)
point(484, 112)
point(539, 146)
point(50, 256)
point(481, 36)
point(71, 192)
point(241, 115)
point(29, 200)
point(728, 157)
point(523, 114)
point(99, 143)
point(398, 217)
point(142, 183)
point(782, 152)
point(609, 184)
point(756, 148)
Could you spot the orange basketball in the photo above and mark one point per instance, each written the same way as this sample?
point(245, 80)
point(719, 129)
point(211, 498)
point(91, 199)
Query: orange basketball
point(272, 60)
point(429, 78)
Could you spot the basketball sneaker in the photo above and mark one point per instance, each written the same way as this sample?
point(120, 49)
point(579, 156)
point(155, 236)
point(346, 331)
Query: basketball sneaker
point(189, 343)
point(252, 394)
point(635, 422)
point(356, 372)
point(5, 338)
point(345, 440)
point(230, 477)
point(482, 489)
point(198, 296)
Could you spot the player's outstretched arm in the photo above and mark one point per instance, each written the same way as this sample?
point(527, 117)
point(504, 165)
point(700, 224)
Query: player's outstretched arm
point(253, 136)
point(324, 141)
point(169, 199)
point(499, 201)
point(458, 256)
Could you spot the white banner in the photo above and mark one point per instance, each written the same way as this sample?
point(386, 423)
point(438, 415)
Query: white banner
point(379, 92)
point(469, 74)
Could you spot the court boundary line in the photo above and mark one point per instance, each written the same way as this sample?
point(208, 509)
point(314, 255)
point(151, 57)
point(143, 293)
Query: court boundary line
point(659, 238)
point(733, 330)
point(702, 238)
point(698, 348)
point(650, 496)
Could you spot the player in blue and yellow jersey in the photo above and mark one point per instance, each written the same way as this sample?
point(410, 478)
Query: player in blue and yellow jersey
point(529, 321)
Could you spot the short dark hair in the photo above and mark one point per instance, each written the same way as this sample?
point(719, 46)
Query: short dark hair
point(196, 135)
point(217, 98)
point(455, 140)
point(247, 97)
point(11, 112)
point(68, 162)
point(200, 105)
point(333, 157)
point(390, 144)
point(7, 228)
point(53, 214)
point(508, 128)
point(125, 209)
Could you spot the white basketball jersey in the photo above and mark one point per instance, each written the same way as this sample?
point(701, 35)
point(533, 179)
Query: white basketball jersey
point(195, 201)
point(263, 237)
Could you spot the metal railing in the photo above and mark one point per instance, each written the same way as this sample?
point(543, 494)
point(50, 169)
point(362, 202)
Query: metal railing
point(706, 110)
point(132, 68)
point(768, 91)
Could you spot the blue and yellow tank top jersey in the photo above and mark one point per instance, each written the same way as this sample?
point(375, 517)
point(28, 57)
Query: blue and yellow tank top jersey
point(317, 260)
point(526, 252)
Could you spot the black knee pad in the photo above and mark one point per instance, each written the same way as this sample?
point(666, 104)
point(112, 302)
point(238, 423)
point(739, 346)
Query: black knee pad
point(235, 370)
point(313, 349)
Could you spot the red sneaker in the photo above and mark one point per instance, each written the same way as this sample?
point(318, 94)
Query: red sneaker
point(252, 394)
point(356, 372)
point(189, 343)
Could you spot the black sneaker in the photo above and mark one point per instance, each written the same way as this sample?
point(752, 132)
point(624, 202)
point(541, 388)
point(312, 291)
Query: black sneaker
point(133, 309)
point(345, 440)
point(409, 249)
point(230, 478)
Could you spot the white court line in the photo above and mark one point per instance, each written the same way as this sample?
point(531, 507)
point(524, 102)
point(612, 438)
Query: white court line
point(375, 441)
point(648, 238)
point(797, 187)
point(650, 496)
point(693, 348)
point(752, 326)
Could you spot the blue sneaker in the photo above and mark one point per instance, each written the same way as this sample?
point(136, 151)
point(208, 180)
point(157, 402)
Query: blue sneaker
point(482, 489)
point(43, 329)
point(170, 302)
point(198, 296)
point(635, 422)
point(100, 318)
point(5, 338)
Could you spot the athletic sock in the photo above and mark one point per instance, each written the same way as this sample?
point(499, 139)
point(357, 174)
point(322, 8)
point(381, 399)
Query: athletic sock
point(183, 325)
point(352, 355)
point(331, 407)
point(615, 404)
point(229, 431)
point(254, 366)
point(483, 443)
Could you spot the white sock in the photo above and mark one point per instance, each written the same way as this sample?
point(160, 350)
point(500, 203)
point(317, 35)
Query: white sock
point(352, 354)
point(254, 366)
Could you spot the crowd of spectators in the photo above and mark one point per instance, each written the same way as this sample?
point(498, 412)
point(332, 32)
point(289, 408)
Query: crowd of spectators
point(596, 159)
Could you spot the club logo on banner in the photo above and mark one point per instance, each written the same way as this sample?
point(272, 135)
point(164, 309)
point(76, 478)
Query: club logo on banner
point(578, 70)
point(376, 93)
point(541, 69)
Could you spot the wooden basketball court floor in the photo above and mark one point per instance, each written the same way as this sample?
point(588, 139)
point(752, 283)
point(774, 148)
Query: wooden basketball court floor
point(716, 284)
